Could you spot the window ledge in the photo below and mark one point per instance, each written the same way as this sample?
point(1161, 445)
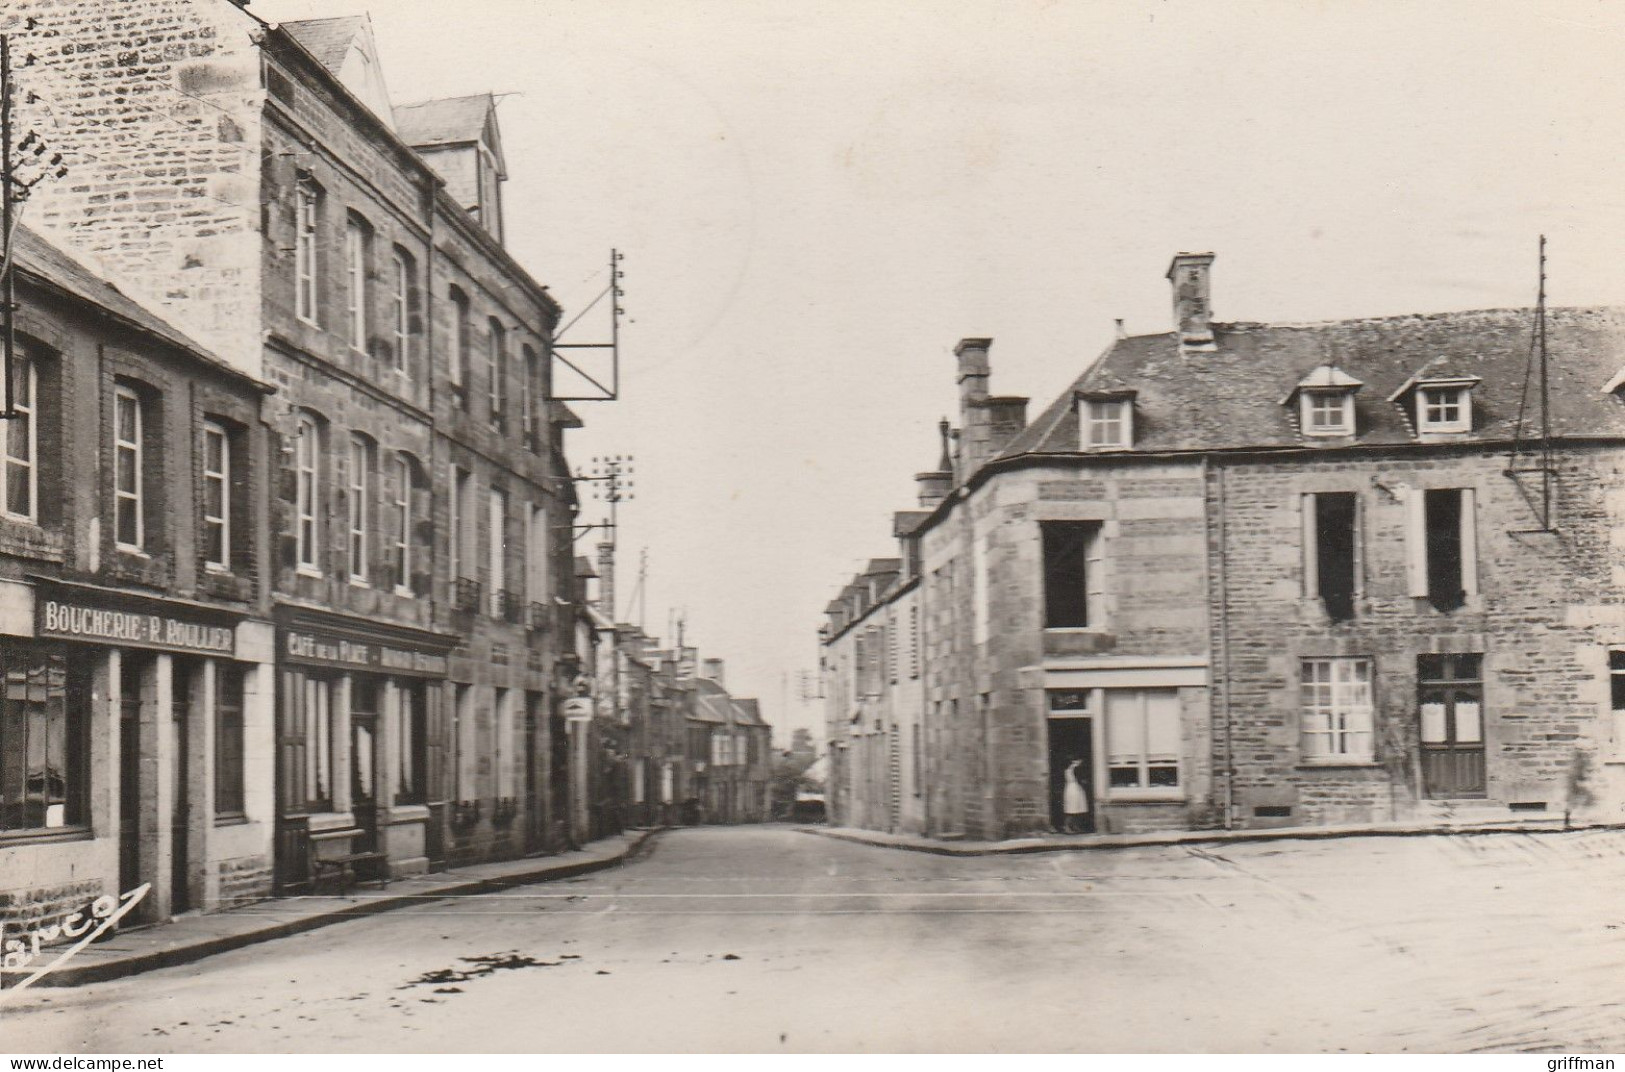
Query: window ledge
point(1144, 796)
point(53, 834)
point(308, 571)
point(231, 819)
point(1333, 764)
point(1097, 629)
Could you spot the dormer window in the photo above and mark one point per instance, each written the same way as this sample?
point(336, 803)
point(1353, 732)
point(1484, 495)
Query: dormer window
point(1328, 413)
point(1325, 400)
point(1106, 421)
point(1437, 402)
point(1444, 409)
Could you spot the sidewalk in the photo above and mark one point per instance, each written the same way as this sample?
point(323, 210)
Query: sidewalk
point(1078, 842)
point(194, 937)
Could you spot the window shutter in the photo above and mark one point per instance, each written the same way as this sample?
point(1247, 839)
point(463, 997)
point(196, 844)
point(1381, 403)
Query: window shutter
point(1416, 542)
point(1469, 542)
point(1311, 548)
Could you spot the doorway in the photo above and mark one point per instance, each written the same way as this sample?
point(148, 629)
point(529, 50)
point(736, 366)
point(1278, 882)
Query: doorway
point(364, 760)
point(135, 671)
point(1450, 708)
point(1071, 739)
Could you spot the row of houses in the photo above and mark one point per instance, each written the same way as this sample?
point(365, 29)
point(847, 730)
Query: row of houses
point(1246, 575)
point(287, 568)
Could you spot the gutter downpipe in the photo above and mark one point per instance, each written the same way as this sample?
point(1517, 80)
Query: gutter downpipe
point(1223, 660)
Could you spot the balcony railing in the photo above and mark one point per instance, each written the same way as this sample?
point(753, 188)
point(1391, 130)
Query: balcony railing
point(540, 617)
point(465, 595)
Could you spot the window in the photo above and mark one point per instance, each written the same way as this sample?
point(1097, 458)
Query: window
point(457, 364)
point(216, 497)
point(410, 739)
point(504, 743)
point(1444, 409)
point(1071, 574)
point(1329, 541)
point(1450, 693)
point(318, 725)
point(529, 389)
point(1337, 706)
point(459, 509)
point(44, 744)
point(401, 553)
point(496, 359)
point(361, 485)
point(1108, 422)
point(1616, 684)
point(228, 740)
point(401, 312)
point(536, 556)
point(304, 251)
point(307, 493)
point(496, 546)
point(1328, 413)
point(1441, 545)
point(1142, 738)
point(128, 522)
point(20, 474)
point(356, 241)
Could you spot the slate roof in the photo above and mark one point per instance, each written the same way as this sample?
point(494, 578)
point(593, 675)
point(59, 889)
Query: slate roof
point(327, 39)
point(52, 265)
point(1230, 399)
point(749, 712)
point(449, 121)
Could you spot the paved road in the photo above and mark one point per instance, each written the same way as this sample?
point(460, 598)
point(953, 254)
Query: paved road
point(764, 939)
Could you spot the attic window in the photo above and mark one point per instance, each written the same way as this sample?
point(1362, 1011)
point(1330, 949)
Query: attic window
point(1444, 409)
point(1328, 413)
point(1106, 421)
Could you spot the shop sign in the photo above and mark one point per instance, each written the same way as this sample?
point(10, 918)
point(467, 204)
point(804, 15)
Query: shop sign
point(76, 619)
point(320, 649)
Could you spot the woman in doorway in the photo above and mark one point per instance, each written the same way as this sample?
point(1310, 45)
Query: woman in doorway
point(1074, 800)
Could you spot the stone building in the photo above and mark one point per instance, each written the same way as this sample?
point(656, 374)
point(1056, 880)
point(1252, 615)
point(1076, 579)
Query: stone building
point(1254, 574)
point(135, 641)
point(261, 185)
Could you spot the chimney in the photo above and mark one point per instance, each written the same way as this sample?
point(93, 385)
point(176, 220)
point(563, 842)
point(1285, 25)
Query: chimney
point(606, 579)
point(1193, 310)
point(712, 671)
point(974, 419)
point(1007, 416)
point(934, 486)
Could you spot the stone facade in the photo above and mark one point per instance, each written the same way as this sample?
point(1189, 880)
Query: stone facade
point(254, 185)
point(1260, 575)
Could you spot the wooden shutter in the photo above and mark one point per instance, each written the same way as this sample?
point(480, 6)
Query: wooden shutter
point(1416, 542)
point(1311, 547)
point(1469, 542)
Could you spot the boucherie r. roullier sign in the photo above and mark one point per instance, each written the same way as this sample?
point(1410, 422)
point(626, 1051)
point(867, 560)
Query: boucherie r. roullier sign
point(87, 618)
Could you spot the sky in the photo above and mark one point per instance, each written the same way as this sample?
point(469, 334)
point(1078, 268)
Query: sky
point(817, 199)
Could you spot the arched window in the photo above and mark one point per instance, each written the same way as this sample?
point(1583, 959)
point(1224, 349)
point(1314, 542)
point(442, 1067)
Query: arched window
point(403, 277)
point(408, 488)
point(357, 254)
point(457, 350)
point(308, 489)
point(496, 359)
point(363, 482)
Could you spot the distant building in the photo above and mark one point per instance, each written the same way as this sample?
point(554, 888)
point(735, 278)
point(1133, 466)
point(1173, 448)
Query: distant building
point(1256, 575)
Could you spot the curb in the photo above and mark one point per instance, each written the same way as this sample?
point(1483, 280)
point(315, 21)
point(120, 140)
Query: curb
point(70, 976)
point(1135, 841)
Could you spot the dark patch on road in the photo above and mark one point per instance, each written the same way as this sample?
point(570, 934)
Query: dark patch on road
point(487, 964)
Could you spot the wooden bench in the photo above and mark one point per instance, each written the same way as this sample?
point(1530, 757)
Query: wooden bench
point(345, 867)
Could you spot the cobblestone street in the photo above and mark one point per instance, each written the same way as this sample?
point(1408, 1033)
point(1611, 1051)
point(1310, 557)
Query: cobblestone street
point(771, 940)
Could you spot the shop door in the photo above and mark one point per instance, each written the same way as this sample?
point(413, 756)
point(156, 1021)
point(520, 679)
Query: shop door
point(180, 719)
point(132, 674)
point(364, 761)
point(1450, 695)
point(1071, 740)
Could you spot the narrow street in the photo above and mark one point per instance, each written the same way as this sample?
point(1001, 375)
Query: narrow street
point(766, 939)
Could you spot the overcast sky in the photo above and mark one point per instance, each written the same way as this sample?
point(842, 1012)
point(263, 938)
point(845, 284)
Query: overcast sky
point(818, 199)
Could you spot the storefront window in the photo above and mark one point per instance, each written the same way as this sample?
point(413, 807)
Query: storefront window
point(228, 741)
point(306, 740)
point(42, 742)
point(410, 739)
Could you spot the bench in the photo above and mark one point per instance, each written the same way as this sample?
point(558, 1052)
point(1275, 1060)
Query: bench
point(346, 868)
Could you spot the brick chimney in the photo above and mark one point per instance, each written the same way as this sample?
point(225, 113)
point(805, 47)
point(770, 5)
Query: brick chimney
point(1193, 308)
point(975, 425)
point(711, 670)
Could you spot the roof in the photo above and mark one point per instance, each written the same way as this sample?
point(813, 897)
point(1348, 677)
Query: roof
point(327, 39)
point(750, 712)
point(450, 121)
point(53, 265)
point(1230, 399)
